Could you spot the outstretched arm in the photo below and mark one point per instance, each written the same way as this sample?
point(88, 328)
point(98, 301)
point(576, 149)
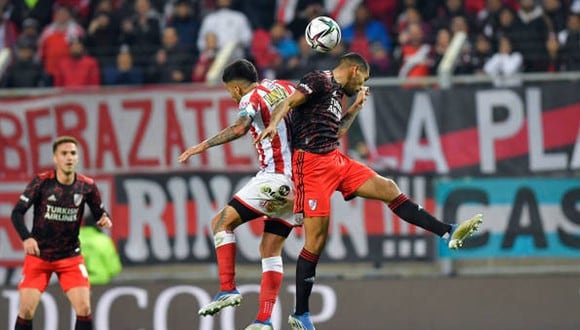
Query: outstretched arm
point(233, 132)
point(280, 111)
point(349, 116)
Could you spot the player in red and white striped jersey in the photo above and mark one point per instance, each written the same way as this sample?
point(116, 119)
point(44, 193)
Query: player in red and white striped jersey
point(268, 196)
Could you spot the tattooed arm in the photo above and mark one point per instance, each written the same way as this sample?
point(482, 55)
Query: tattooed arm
point(349, 116)
point(233, 132)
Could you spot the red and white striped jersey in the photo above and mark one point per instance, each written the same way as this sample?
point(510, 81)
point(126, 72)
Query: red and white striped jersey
point(275, 156)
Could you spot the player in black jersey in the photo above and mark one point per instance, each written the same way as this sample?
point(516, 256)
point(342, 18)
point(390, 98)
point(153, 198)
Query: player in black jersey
point(59, 199)
point(319, 168)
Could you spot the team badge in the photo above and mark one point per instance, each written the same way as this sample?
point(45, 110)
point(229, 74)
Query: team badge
point(313, 203)
point(78, 198)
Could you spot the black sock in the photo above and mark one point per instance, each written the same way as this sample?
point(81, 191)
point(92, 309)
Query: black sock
point(411, 212)
point(84, 322)
point(305, 273)
point(22, 324)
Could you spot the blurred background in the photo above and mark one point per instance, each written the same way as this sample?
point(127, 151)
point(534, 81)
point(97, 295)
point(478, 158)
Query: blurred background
point(474, 107)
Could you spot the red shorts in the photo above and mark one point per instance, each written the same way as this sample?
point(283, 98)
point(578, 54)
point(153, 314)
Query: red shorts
point(71, 273)
point(318, 176)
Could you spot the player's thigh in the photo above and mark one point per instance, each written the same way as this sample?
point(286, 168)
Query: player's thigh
point(80, 299)
point(316, 233)
point(72, 273)
point(36, 273)
point(354, 176)
point(29, 300)
point(379, 188)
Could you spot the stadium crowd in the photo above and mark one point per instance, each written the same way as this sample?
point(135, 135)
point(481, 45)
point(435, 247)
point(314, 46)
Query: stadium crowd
point(68, 43)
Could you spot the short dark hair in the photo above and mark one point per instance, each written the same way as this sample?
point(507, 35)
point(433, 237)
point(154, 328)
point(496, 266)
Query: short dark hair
point(354, 59)
point(240, 70)
point(63, 139)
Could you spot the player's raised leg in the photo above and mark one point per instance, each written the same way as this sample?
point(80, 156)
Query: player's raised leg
point(381, 188)
point(223, 226)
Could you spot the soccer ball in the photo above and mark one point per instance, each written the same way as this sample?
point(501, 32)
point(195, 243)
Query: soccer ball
point(322, 34)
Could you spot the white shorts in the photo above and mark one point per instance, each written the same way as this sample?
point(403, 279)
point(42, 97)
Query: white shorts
point(271, 194)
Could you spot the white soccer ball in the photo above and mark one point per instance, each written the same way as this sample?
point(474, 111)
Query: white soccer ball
point(322, 34)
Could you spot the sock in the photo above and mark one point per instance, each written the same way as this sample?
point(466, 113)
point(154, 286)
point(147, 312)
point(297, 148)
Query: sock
point(272, 273)
point(22, 324)
point(225, 248)
point(305, 275)
point(413, 213)
point(84, 322)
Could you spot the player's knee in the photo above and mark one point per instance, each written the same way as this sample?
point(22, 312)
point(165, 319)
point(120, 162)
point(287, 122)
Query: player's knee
point(271, 248)
point(26, 311)
point(83, 308)
point(390, 189)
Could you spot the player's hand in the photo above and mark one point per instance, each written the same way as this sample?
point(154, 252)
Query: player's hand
point(268, 132)
point(31, 247)
point(361, 96)
point(190, 152)
point(105, 222)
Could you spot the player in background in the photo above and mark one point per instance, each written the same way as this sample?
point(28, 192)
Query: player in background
point(317, 123)
point(267, 196)
point(59, 199)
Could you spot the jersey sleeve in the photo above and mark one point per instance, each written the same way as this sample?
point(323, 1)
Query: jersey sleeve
point(95, 203)
point(312, 83)
point(25, 201)
point(246, 109)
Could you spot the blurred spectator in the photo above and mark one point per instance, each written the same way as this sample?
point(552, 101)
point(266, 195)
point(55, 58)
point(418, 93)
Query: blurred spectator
point(323, 61)
point(442, 42)
point(413, 16)
point(450, 10)
point(570, 41)
point(40, 10)
point(8, 30)
point(79, 8)
point(510, 26)
point(171, 63)
point(272, 50)
point(103, 38)
point(229, 26)
point(413, 55)
point(77, 69)
point(123, 72)
point(553, 48)
point(141, 32)
point(298, 65)
point(384, 11)
point(99, 253)
point(481, 53)
point(463, 65)
point(303, 17)
point(206, 58)
point(54, 40)
point(29, 31)
point(261, 13)
point(364, 32)
point(488, 17)
point(380, 60)
point(25, 71)
point(504, 65)
point(186, 24)
point(532, 44)
point(556, 12)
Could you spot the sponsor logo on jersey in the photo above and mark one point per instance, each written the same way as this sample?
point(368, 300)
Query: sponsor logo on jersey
point(57, 213)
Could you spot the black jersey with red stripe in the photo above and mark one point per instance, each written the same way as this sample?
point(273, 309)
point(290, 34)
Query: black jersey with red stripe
point(58, 212)
point(315, 123)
